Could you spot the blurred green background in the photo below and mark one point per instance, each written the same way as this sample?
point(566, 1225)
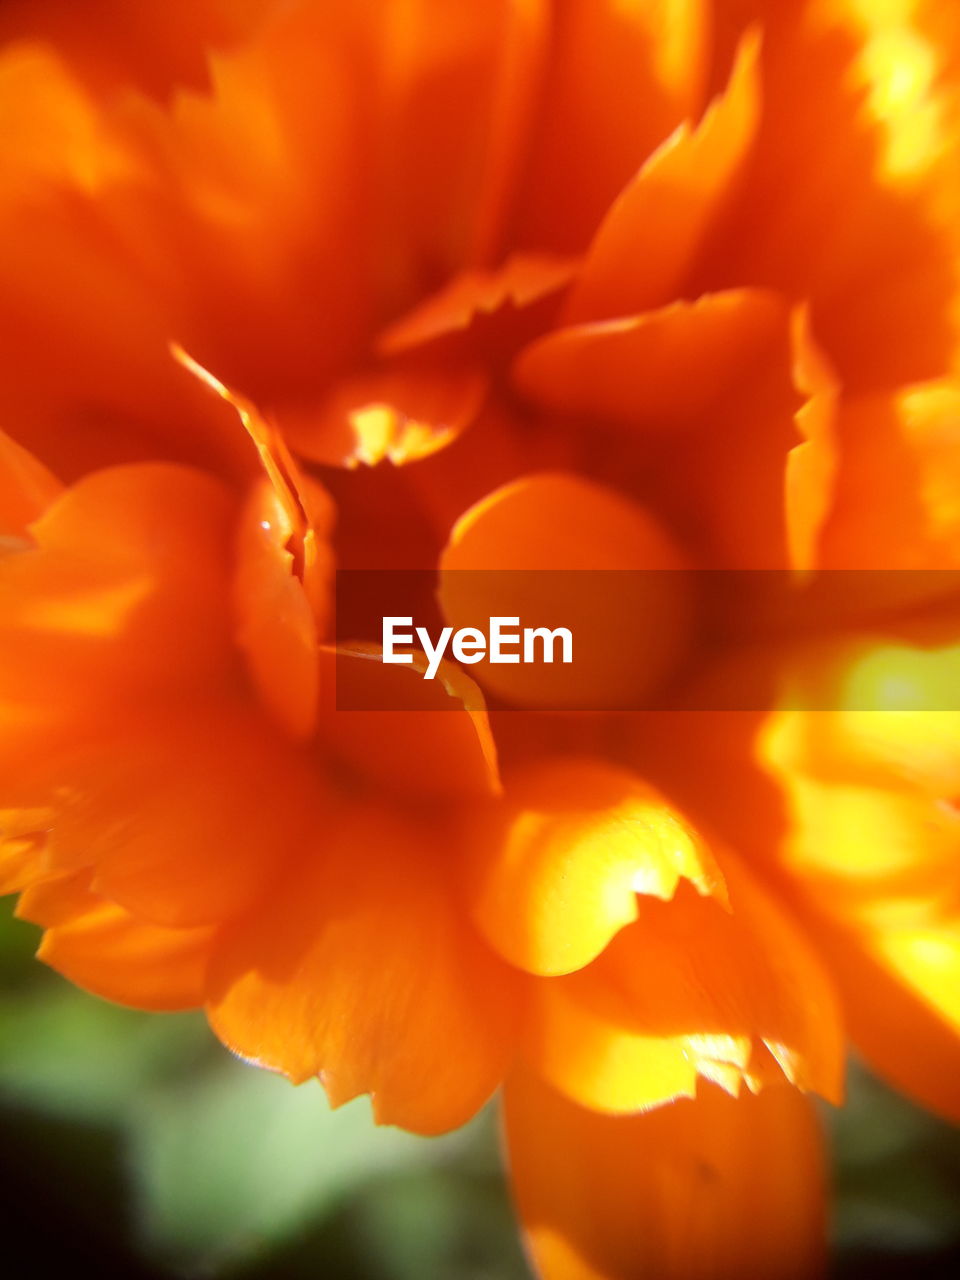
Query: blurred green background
point(136, 1145)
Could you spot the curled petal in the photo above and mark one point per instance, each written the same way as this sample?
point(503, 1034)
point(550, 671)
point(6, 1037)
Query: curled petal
point(721, 478)
point(558, 521)
point(283, 579)
point(690, 988)
point(529, 539)
point(278, 627)
point(682, 1192)
point(555, 870)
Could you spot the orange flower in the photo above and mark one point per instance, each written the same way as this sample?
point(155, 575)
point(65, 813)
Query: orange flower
point(512, 286)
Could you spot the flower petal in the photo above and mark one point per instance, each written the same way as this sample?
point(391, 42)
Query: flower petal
point(620, 76)
point(478, 297)
point(650, 238)
point(530, 538)
point(721, 478)
point(87, 303)
point(109, 952)
point(125, 588)
point(711, 1186)
point(899, 988)
point(650, 372)
point(278, 629)
point(517, 85)
point(401, 412)
point(182, 817)
point(414, 737)
point(902, 448)
point(283, 577)
point(23, 834)
point(554, 870)
point(690, 988)
point(443, 77)
point(153, 46)
point(870, 852)
point(852, 204)
point(811, 465)
point(359, 968)
point(26, 490)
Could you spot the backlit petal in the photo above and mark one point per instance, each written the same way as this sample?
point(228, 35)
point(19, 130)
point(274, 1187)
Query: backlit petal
point(403, 411)
point(555, 870)
point(851, 204)
point(899, 990)
point(684, 1192)
point(871, 854)
point(903, 449)
point(690, 988)
point(360, 969)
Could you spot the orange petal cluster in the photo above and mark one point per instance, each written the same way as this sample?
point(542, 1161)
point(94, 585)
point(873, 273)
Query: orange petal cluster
point(484, 290)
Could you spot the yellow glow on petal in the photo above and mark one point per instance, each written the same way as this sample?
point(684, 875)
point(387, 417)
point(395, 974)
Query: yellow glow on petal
point(555, 874)
point(725, 1050)
point(374, 425)
point(730, 1079)
point(930, 416)
point(896, 678)
point(678, 29)
point(900, 68)
point(929, 960)
point(385, 433)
